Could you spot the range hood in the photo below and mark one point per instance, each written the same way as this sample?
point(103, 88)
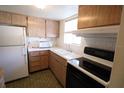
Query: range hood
point(106, 31)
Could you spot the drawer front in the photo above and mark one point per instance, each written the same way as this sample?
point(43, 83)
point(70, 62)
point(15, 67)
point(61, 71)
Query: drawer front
point(45, 52)
point(35, 53)
point(32, 59)
point(35, 63)
point(35, 68)
point(59, 59)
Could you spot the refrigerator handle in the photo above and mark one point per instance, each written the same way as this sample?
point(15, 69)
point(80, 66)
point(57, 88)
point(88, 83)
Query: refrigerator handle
point(24, 51)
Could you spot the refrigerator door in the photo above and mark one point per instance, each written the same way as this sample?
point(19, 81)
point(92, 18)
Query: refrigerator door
point(13, 60)
point(10, 35)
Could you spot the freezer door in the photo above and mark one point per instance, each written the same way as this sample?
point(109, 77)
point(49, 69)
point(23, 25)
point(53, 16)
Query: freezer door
point(10, 35)
point(13, 60)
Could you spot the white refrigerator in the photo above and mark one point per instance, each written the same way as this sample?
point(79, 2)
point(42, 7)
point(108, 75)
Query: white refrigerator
point(13, 52)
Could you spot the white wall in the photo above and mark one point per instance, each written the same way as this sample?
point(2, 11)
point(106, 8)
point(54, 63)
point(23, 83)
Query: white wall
point(104, 43)
point(117, 76)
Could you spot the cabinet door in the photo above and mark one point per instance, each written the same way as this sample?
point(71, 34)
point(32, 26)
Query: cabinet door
point(5, 18)
point(52, 63)
point(19, 20)
point(36, 27)
point(44, 61)
point(52, 28)
point(58, 67)
point(98, 15)
point(61, 73)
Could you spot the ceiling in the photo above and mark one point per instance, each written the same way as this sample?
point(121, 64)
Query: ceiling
point(56, 12)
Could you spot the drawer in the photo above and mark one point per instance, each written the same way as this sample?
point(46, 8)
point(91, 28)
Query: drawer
point(59, 59)
point(34, 58)
point(45, 52)
point(35, 68)
point(35, 53)
point(35, 63)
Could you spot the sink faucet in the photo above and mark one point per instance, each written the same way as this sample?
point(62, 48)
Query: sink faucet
point(69, 48)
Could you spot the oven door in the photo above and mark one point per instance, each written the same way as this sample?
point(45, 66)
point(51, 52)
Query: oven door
point(77, 79)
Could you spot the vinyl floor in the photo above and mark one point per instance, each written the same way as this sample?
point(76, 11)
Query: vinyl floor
point(41, 79)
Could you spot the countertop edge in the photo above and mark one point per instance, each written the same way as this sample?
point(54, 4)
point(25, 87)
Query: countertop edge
point(52, 49)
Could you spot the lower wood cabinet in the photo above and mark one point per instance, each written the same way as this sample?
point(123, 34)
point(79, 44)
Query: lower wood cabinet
point(44, 61)
point(38, 60)
point(58, 66)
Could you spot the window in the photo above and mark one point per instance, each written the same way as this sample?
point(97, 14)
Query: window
point(71, 25)
point(70, 38)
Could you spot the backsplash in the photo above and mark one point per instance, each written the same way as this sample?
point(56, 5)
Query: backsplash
point(34, 42)
point(103, 43)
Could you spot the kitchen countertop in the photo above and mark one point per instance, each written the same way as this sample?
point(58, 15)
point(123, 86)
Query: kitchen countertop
point(59, 51)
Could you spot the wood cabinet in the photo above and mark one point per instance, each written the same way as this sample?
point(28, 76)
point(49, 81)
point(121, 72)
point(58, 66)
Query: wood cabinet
point(12, 19)
point(5, 18)
point(52, 28)
point(61, 72)
point(38, 60)
point(19, 20)
point(44, 61)
point(36, 27)
point(58, 65)
point(98, 15)
point(52, 63)
point(44, 58)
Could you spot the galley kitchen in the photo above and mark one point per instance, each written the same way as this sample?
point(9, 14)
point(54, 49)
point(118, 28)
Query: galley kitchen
point(61, 46)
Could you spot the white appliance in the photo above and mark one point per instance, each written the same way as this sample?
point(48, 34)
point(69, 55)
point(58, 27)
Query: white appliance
point(13, 52)
point(44, 44)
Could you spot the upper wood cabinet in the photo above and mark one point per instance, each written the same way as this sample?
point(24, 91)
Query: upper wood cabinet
point(19, 20)
point(36, 27)
point(52, 28)
point(5, 18)
point(98, 15)
point(12, 19)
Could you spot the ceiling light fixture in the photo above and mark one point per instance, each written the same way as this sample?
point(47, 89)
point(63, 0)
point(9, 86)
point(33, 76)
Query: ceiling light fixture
point(40, 6)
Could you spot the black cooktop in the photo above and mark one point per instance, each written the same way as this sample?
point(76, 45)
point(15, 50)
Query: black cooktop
point(97, 69)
